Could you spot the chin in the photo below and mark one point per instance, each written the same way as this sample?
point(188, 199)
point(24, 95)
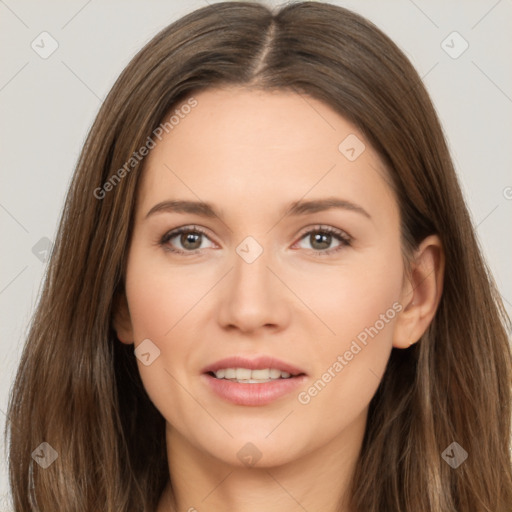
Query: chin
point(245, 451)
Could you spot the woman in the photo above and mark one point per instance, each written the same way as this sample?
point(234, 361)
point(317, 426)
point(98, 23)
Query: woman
point(266, 292)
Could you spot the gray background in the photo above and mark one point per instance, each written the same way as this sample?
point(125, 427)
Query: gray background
point(48, 105)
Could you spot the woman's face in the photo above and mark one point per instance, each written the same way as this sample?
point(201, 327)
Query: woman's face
point(316, 291)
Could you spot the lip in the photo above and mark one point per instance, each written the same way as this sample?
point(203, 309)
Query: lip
point(258, 363)
point(253, 394)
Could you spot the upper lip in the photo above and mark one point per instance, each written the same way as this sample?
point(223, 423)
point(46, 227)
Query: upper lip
point(257, 363)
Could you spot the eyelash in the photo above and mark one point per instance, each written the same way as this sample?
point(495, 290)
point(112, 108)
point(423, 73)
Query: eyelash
point(344, 239)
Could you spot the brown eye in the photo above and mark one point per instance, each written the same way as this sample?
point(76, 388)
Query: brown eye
point(183, 240)
point(190, 240)
point(321, 239)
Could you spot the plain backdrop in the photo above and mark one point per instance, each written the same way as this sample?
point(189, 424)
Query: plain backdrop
point(48, 104)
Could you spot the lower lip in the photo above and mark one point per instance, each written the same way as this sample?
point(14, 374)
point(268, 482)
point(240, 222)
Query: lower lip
point(253, 394)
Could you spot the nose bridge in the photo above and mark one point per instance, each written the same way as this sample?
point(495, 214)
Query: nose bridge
point(250, 249)
point(250, 262)
point(253, 296)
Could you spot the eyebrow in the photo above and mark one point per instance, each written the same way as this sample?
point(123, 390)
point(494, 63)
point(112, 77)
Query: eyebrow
point(294, 208)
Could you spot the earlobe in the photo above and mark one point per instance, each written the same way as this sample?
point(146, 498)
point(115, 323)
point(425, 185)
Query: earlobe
point(421, 293)
point(121, 319)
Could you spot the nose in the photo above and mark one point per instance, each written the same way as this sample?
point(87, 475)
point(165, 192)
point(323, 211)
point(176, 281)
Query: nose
point(253, 297)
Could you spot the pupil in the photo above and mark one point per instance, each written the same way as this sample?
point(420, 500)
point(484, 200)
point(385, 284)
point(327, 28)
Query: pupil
point(189, 237)
point(326, 240)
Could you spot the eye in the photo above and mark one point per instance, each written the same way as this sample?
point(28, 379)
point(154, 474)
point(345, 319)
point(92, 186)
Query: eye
point(321, 238)
point(189, 237)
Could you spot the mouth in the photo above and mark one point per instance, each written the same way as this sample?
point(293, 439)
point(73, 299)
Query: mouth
point(248, 376)
point(252, 382)
point(252, 370)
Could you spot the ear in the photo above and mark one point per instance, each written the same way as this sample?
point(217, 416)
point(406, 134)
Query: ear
point(421, 292)
point(121, 319)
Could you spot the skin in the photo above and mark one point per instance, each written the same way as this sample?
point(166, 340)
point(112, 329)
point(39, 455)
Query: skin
point(250, 153)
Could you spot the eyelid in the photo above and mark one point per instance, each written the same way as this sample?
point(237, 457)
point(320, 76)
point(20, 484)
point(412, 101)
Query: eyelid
point(325, 228)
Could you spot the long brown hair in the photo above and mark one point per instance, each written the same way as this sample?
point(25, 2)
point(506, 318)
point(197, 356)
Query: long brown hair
point(78, 388)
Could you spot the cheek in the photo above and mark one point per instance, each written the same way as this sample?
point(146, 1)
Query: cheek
point(161, 295)
point(361, 307)
point(158, 310)
point(164, 303)
point(349, 298)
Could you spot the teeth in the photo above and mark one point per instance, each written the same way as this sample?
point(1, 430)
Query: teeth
point(251, 376)
point(230, 373)
point(243, 374)
point(275, 374)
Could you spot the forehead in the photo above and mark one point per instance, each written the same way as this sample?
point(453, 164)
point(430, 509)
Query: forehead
point(247, 121)
point(247, 143)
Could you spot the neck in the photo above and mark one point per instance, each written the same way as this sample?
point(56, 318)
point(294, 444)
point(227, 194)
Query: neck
point(319, 480)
